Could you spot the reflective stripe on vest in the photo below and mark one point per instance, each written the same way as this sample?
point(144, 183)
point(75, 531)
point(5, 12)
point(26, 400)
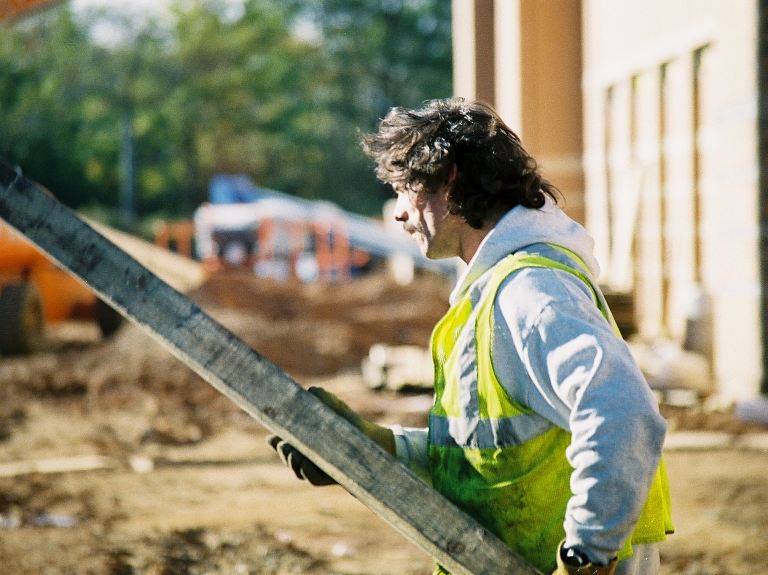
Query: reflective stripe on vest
point(500, 462)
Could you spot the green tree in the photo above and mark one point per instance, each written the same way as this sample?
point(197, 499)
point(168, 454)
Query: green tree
point(39, 125)
point(246, 96)
point(64, 100)
point(383, 53)
point(277, 91)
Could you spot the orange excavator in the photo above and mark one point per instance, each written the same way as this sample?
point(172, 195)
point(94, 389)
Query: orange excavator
point(35, 292)
point(11, 9)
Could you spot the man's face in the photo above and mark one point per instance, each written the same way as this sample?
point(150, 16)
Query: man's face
point(427, 219)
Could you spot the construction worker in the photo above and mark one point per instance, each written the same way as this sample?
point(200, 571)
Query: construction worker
point(543, 427)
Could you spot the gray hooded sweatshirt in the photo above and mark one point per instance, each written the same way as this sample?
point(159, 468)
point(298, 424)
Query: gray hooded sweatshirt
point(554, 352)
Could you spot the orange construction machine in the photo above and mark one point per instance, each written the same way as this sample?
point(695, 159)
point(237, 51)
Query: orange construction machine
point(10, 9)
point(35, 292)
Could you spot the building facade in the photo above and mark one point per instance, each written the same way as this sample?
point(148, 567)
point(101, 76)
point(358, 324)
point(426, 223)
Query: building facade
point(646, 115)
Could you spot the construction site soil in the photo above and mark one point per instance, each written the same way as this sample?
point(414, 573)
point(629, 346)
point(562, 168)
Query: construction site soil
point(116, 459)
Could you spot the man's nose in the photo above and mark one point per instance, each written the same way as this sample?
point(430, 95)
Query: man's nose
point(401, 213)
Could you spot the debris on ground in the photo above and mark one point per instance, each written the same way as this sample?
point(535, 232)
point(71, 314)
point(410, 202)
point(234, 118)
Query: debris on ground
point(160, 474)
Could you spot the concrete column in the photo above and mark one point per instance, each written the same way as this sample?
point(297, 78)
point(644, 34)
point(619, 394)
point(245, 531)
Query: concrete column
point(551, 66)
point(508, 87)
point(524, 58)
point(474, 50)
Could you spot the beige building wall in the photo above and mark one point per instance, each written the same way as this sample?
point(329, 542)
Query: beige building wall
point(670, 136)
point(524, 58)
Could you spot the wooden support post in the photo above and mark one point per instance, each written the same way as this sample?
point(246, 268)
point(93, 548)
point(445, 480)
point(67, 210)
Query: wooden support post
point(422, 515)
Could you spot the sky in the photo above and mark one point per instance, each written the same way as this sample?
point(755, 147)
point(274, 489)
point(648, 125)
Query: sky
point(134, 6)
point(138, 5)
point(107, 34)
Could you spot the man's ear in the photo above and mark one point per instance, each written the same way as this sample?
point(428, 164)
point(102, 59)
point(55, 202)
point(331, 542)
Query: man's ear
point(452, 175)
point(447, 187)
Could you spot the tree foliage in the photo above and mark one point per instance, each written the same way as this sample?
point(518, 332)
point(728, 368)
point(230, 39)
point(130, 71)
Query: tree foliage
point(277, 90)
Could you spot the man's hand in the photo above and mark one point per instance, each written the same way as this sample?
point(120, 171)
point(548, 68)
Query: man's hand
point(303, 467)
point(577, 564)
point(378, 433)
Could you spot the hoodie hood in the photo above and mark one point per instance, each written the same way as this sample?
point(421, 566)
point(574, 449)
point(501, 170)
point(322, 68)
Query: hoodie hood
point(522, 227)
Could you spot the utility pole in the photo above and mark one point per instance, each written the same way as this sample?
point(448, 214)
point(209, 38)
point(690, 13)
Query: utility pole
point(127, 185)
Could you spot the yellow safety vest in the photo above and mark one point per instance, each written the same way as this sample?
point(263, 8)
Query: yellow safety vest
point(500, 462)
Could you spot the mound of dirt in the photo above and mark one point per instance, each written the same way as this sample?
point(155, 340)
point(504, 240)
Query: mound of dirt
point(179, 552)
point(209, 496)
point(126, 396)
point(311, 330)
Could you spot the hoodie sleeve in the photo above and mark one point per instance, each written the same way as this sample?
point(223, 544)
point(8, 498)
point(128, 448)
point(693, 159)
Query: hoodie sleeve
point(555, 353)
point(411, 447)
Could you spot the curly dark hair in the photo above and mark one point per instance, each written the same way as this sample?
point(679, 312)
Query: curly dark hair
point(418, 149)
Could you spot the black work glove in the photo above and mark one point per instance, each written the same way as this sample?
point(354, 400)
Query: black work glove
point(567, 566)
point(303, 467)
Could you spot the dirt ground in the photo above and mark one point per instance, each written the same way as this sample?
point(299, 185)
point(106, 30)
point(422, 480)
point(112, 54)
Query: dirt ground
point(183, 483)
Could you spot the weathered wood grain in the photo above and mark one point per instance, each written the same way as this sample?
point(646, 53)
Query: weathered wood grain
point(257, 386)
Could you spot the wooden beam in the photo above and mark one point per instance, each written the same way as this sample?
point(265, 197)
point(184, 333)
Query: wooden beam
point(454, 539)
